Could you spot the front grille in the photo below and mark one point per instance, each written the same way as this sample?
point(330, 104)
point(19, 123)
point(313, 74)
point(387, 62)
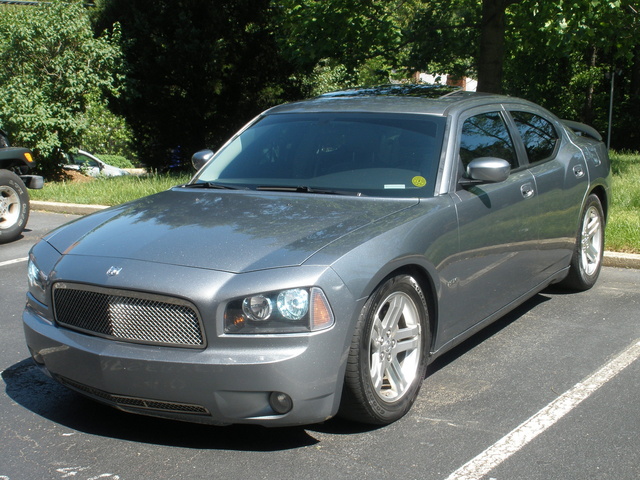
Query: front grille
point(128, 316)
point(134, 402)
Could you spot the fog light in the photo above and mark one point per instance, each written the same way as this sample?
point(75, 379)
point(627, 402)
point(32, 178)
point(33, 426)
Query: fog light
point(281, 403)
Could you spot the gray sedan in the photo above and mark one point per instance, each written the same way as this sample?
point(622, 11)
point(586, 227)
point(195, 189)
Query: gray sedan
point(321, 259)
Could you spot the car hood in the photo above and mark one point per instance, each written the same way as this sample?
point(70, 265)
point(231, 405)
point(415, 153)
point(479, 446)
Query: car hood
point(227, 231)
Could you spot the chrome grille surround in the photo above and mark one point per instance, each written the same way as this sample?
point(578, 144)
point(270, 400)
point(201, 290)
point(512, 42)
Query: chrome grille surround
point(127, 402)
point(128, 316)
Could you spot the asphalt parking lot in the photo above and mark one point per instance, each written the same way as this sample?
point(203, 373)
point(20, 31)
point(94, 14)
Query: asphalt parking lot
point(547, 392)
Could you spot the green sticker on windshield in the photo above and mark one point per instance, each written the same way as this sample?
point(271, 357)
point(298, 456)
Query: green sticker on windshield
point(419, 181)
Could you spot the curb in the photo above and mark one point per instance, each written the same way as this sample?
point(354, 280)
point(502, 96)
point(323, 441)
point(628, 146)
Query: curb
point(621, 260)
point(611, 259)
point(71, 208)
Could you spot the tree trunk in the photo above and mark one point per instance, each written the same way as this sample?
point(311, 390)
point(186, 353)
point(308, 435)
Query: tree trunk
point(635, 75)
point(491, 56)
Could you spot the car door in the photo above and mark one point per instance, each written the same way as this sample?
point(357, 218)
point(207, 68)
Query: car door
point(561, 178)
point(498, 234)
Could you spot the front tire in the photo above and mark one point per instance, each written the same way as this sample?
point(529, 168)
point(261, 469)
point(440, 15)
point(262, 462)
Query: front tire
point(387, 360)
point(586, 262)
point(14, 206)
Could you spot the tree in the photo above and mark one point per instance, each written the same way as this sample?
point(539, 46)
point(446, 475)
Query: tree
point(342, 43)
point(491, 55)
point(558, 54)
point(562, 55)
point(196, 71)
point(464, 38)
point(51, 68)
point(443, 37)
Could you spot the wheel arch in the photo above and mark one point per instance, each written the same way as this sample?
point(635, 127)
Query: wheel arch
point(427, 285)
point(601, 193)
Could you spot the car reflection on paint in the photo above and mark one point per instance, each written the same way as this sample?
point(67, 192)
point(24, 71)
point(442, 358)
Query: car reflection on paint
point(321, 259)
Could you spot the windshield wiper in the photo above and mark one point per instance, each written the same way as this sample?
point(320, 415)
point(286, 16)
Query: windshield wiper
point(306, 189)
point(213, 185)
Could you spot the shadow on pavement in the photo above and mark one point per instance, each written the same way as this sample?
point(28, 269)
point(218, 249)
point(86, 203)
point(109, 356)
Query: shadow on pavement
point(28, 386)
point(488, 331)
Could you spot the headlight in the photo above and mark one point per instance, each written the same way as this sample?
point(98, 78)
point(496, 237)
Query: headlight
point(37, 280)
point(293, 310)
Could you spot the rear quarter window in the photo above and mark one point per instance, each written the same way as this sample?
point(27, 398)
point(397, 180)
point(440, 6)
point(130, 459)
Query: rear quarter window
point(538, 134)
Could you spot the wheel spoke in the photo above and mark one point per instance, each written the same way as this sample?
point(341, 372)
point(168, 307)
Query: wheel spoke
point(407, 333)
point(408, 339)
point(377, 330)
point(378, 371)
point(396, 376)
point(407, 346)
point(591, 253)
point(394, 313)
point(593, 227)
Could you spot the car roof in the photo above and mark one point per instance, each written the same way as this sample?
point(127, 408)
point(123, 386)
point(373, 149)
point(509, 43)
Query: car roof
point(411, 98)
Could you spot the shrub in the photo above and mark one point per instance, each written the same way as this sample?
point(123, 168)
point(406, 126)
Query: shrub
point(116, 160)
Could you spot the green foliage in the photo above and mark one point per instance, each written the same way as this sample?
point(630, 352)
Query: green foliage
point(558, 54)
point(196, 71)
point(106, 132)
point(115, 160)
point(623, 229)
point(328, 75)
point(342, 43)
point(561, 55)
point(349, 31)
point(51, 67)
point(444, 37)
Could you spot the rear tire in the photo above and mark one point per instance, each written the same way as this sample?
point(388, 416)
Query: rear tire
point(14, 206)
point(388, 356)
point(586, 262)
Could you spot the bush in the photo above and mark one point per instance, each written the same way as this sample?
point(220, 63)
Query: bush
point(116, 160)
point(51, 68)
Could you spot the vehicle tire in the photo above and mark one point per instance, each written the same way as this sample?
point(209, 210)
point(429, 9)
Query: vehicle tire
point(388, 355)
point(586, 262)
point(14, 206)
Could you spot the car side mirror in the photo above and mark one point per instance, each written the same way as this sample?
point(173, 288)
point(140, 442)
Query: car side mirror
point(200, 158)
point(486, 170)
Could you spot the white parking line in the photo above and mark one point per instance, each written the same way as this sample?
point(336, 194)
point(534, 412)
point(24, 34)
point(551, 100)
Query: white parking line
point(17, 260)
point(515, 440)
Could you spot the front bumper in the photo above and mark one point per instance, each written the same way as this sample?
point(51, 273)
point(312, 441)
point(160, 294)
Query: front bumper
point(217, 385)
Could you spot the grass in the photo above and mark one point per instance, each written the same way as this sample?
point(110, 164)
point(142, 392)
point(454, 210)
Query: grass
point(623, 230)
point(107, 191)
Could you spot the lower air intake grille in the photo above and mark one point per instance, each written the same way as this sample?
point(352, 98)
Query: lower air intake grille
point(134, 402)
point(127, 316)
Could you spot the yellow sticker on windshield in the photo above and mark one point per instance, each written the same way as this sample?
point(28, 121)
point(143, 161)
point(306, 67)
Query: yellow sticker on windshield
point(419, 181)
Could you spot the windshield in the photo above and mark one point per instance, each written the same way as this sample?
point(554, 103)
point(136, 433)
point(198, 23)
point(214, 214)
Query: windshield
point(391, 155)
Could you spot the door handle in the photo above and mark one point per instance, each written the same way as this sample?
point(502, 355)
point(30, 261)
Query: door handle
point(527, 190)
